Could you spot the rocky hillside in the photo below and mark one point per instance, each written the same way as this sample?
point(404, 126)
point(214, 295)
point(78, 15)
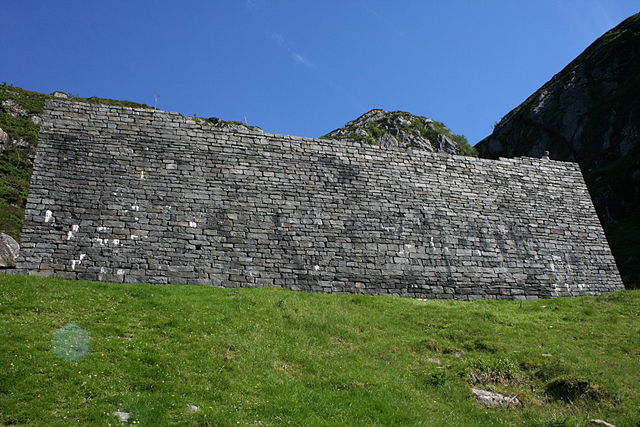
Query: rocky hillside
point(590, 113)
point(20, 112)
point(404, 130)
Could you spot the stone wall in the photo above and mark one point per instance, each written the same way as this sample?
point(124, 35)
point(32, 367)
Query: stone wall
point(132, 195)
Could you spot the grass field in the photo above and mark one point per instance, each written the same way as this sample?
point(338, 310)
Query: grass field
point(72, 353)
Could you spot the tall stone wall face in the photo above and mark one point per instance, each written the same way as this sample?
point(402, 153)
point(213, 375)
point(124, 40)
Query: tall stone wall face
point(131, 195)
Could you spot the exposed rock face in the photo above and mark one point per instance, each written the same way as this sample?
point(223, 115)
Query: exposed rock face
point(122, 416)
point(231, 126)
point(491, 399)
point(590, 113)
point(59, 94)
point(11, 107)
point(3, 137)
point(400, 129)
point(8, 250)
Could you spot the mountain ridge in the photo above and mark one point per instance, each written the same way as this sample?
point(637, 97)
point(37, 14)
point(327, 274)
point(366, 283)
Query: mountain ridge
point(589, 112)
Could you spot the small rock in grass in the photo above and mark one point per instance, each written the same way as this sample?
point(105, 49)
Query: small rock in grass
point(492, 399)
point(434, 360)
point(546, 355)
point(600, 423)
point(122, 416)
point(9, 249)
point(192, 408)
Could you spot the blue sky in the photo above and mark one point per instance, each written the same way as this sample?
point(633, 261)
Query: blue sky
point(303, 67)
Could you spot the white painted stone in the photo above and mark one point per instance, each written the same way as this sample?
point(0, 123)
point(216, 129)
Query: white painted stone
point(77, 262)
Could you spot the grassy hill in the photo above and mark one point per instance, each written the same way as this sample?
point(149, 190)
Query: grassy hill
point(276, 357)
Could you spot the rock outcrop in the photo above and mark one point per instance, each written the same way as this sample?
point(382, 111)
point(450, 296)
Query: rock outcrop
point(9, 249)
point(590, 113)
point(403, 130)
point(492, 399)
point(230, 125)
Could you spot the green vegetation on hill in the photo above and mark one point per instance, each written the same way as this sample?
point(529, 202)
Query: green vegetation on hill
point(272, 357)
point(219, 123)
point(411, 131)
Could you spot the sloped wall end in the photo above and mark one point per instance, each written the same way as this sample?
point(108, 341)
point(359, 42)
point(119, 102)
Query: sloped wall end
point(132, 195)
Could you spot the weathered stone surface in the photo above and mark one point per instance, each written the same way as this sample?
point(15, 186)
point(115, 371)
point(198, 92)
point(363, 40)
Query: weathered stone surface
point(3, 136)
point(12, 108)
point(122, 416)
point(391, 129)
point(9, 249)
point(601, 423)
point(132, 195)
point(492, 399)
point(59, 94)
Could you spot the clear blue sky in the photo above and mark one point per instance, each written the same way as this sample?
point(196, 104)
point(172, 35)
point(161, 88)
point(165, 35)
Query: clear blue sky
point(303, 67)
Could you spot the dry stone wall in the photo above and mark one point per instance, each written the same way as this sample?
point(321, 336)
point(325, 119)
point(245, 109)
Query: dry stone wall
point(133, 195)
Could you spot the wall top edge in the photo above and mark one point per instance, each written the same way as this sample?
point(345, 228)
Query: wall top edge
point(62, 105)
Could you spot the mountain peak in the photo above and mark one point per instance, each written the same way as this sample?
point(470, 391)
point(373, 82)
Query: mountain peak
point(402, 130)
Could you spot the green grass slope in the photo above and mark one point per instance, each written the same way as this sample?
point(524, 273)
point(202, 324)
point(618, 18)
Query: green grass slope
point(277, 357)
